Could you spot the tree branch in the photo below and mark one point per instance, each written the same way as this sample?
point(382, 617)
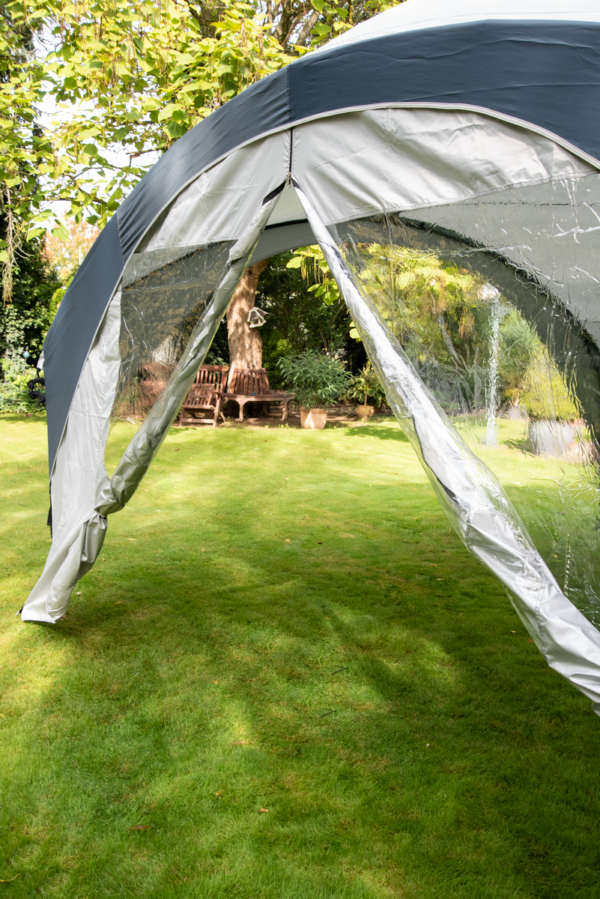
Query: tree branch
point(306, 28)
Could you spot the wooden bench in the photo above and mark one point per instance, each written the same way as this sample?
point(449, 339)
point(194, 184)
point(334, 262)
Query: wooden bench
point(206, 394)
point(251, 385)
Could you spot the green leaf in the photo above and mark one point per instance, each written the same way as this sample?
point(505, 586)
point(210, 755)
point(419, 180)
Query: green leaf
point(61, 232)
point(174, 130)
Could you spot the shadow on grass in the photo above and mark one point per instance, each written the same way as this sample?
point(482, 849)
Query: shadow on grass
point(374, 431)
point(363, 680)
point(522, 444)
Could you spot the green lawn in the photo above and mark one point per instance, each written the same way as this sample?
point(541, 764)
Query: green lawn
point(282, 620)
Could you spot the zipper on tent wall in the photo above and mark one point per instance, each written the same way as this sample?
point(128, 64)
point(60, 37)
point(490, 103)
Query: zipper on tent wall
point(288, 179)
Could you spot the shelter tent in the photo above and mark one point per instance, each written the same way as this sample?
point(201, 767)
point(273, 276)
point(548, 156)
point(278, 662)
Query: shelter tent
point(467, 135)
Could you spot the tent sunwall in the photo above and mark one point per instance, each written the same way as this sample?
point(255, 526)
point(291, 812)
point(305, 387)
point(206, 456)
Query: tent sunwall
point(83, 496)
point(469, 493)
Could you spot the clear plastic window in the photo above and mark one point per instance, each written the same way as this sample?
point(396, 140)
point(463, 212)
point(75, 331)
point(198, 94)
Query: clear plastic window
point(164, 294)
point(497, 340)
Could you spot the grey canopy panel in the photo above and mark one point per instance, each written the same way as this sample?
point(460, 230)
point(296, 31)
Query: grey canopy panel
point(542, 72)
point(472, 497)
point(279, 238)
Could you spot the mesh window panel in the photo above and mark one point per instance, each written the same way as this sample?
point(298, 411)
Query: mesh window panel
point(495, 303)
point(164, 294)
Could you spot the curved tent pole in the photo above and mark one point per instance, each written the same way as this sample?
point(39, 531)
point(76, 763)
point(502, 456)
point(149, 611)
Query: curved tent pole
point(470, 494)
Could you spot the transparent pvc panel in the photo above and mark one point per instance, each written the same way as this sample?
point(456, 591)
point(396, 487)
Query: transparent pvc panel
point(164, 294)
point(197, 333)
point(498, 323)
point(471, 495)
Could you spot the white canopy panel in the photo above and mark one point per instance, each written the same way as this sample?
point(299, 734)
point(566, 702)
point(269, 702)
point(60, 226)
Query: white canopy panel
point(413, 15)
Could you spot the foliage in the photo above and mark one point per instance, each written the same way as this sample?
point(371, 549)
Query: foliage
point(437, 310)
point(314, 266)
point(297, 321)
point(25, 321)
point(366, 384)
point(520, 346)
point(317, 379)
point(441, 312)
point(545, 394)
point(274, 348)
point(417, 290)
point(529, 374)
point(25, 150)
point(14, 364)
point(65, 254)
point(127, 80)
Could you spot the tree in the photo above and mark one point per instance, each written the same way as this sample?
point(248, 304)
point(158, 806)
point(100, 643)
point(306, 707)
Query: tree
point(245, 343)
point(23, 145)
point(24, 323)
point(66, 255)
point(132, 77)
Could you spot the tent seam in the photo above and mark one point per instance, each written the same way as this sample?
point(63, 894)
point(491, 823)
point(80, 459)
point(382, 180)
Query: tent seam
point(459, 107)
point(387, 210)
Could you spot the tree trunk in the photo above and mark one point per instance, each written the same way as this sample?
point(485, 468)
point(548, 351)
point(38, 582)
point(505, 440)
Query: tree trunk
point(245, 343)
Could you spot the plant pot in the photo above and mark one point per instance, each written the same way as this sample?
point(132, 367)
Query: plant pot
point(364, 412)
point(552, 438)
point(314, 419)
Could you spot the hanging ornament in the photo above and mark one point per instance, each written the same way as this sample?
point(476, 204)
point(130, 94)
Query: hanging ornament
point(256, 317)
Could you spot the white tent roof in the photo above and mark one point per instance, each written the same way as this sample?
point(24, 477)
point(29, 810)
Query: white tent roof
point(413, 15)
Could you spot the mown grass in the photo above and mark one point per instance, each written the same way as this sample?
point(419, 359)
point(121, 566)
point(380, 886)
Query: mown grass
point(282, 620)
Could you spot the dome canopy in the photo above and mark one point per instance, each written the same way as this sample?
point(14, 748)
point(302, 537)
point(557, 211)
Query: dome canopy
point(540, 66)
point(464, 144)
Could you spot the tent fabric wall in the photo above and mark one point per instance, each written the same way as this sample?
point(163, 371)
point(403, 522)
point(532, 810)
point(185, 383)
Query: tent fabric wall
point(471, 496)
point(416, 157)
point(82, 493)
point(217, 205)
point(542, 70)
point(79, 478)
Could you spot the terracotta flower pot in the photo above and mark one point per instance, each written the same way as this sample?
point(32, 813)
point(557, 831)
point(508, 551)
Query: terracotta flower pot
point(365, 412)
point(315, 419)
